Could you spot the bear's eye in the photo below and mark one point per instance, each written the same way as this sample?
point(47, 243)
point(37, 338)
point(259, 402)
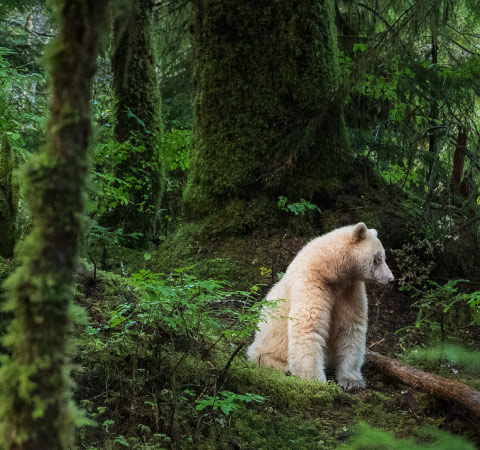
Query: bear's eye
point(377, 260)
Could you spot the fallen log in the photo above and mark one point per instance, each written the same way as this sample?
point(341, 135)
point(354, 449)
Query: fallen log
point(435, 385)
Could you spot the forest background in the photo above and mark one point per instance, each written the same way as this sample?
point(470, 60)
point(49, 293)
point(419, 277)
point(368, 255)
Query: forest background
point(163, 162)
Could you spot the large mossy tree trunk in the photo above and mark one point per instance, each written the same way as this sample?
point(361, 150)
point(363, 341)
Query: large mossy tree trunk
point(35, 404)
point(138, 119)
point(268, 114)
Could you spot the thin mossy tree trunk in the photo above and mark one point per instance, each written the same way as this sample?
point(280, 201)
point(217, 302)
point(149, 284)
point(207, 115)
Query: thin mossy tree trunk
point(9, 195)
point(35, 387)
point(138, 120)
point(459, 160)
point(268, 114)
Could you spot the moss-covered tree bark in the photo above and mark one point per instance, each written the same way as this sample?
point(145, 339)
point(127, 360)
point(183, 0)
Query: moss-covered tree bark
point(268, 117)
point(36, 413)
point(138, 118)
point(8, 200)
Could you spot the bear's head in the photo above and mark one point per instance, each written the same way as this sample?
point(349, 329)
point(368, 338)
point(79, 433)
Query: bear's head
point(370, 256)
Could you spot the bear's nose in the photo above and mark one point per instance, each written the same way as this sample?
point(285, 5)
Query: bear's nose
point(391, 279)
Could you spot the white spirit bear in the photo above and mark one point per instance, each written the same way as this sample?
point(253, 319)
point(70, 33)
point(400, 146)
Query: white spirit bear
point(321, 318)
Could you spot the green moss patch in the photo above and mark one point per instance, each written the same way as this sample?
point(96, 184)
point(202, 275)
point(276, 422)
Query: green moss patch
point(288, 393)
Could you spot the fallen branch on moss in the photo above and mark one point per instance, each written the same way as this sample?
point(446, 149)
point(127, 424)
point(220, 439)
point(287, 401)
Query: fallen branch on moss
point(435, 385)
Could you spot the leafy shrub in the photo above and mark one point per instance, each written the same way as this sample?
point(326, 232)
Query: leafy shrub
point(21, 115)
point(181, 304)
point(104, 245)
point(473, 300)
point(166, 344)
point(433, 304)
point(437, 302)
point(297, 208)
point(396, 174)
point(176, 149)
point(418, 258)
point(226, 401)
point(108, 191)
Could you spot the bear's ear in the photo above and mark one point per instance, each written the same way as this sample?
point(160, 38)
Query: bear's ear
point(373, 231)
point(359, 232)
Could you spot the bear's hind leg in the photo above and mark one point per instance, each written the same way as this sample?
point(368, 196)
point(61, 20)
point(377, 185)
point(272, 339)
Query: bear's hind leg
point(307, 336)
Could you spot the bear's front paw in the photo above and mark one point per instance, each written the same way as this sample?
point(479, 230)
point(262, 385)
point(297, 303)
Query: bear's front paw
point(351, 383)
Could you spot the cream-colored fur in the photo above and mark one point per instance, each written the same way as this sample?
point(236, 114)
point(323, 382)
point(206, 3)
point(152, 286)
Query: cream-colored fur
point(321, 316)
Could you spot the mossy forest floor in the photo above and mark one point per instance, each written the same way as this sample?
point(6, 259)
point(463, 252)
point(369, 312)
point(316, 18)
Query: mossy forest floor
point(147, 383)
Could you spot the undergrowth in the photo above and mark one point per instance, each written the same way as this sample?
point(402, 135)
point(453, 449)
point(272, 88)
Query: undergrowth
point(161, 365)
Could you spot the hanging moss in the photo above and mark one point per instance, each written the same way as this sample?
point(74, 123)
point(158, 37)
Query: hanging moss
point(268, 118)
point(8, 200)
point(138, 118)
point(35, 406)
